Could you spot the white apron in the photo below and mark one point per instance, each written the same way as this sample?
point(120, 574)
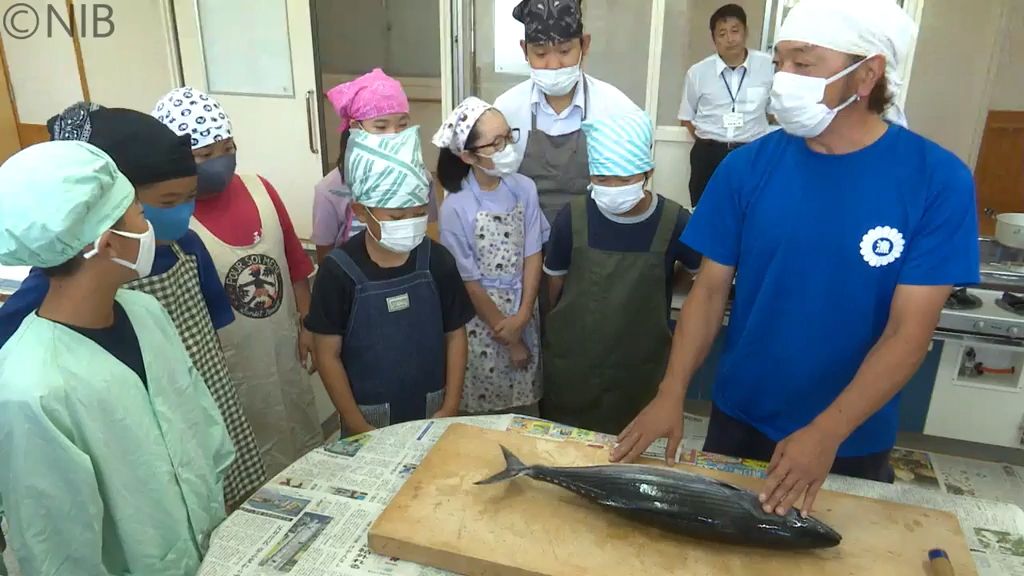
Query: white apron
point(493, 383)
point(261, 344)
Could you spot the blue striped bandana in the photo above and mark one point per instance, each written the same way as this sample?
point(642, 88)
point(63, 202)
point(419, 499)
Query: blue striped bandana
point(620, 143)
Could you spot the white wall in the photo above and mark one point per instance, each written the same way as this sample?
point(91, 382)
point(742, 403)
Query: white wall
point(1008, 88)
point(43, 70)
point(687, 40)
point(132, 67)
point(949, 91)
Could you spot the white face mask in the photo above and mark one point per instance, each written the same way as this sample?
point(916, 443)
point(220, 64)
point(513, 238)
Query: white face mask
point(143, 265)
point(797, 102)
point(617, 199)
point(506, 162)
point(401, 236)
point(557, 82)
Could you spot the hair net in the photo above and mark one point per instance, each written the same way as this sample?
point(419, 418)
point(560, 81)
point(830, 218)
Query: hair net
point(58, 198)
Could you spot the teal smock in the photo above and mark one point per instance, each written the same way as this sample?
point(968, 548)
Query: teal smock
point(98, 475)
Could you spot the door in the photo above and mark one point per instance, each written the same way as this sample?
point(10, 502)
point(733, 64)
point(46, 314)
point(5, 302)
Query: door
point(999, 173)
point(256, 58)
point(43, 65)
point(10, 143)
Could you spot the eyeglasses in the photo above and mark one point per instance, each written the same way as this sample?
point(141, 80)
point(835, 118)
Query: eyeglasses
point(501, 142)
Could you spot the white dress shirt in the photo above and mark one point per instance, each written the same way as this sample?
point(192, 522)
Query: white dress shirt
point(519, 102)
point(706, 100)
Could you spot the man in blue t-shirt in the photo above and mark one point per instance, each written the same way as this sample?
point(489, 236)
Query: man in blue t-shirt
point(845, 235)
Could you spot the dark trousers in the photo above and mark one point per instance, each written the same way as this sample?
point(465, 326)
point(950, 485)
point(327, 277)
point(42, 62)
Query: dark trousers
point(705, 156)
point(731, 437)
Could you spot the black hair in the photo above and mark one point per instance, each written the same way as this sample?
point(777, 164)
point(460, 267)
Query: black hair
point(728, 11)
point(64, 270)
point(340, 163)
point(451, 169)
point(880, 98)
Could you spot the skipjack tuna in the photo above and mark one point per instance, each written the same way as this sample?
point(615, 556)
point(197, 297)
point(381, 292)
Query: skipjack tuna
point(688, 504)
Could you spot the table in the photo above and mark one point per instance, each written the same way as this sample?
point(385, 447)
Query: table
point(313, 518)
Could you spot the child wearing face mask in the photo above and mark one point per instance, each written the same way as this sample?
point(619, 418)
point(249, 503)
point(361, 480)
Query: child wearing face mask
point(113, 450)
point(389, 308)
point(611, 262)
point(375, 103)
point(265, 272)
point(181, 275)
point(493, 225)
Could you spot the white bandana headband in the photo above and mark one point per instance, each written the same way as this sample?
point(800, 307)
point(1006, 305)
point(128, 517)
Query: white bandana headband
point(859, 27)
point(188, 111)
point(455, 130)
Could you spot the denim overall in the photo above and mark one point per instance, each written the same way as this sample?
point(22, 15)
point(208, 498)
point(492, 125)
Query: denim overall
point(393, 349)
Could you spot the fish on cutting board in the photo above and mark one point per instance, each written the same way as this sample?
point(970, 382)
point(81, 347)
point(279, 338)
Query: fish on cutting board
point(688, 504)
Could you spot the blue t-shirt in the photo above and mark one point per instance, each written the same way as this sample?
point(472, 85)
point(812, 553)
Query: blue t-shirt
point(820, 243)
point(619, 234)
point(33, 290)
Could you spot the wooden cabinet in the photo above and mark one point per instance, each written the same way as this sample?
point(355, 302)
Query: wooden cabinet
point(999, 173)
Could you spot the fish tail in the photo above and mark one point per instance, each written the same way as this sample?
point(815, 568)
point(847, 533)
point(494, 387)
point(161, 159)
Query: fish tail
point(513, 467)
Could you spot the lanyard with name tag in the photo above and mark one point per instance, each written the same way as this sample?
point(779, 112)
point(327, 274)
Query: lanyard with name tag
point(733, 119)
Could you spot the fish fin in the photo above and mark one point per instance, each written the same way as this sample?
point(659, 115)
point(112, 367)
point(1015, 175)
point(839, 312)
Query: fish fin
point(513, 467)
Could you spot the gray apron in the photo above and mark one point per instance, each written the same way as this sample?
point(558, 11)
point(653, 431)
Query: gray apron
point(557, 164)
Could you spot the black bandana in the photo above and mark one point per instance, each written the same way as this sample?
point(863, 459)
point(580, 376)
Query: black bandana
point(144, 150)
point(550, 21)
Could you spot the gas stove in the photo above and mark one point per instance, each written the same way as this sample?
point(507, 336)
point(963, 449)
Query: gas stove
point(984, 312)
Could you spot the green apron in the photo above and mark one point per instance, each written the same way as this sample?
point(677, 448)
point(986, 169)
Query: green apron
point(607, 339)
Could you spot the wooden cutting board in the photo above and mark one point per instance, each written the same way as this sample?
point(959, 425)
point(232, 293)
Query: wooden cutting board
point(524, 527)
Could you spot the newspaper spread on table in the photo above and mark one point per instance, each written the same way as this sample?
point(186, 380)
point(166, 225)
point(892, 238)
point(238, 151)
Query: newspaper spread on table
point(313, 518)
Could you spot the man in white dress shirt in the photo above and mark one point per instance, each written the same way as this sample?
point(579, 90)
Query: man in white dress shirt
point(725, 97)
point(549, 108)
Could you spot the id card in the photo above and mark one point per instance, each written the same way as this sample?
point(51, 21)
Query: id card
point(732, 120)
point(398, 303)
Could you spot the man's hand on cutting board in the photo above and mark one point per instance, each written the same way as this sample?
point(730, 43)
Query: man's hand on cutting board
point(799, 466)
point(662, 418)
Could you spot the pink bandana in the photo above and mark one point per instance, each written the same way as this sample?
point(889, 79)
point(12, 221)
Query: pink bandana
point(369, 96)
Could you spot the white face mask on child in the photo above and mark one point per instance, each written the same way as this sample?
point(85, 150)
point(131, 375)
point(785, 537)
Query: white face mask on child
point(617, 199)
point(401, 236)
point(143, 265)
point(505, 162)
